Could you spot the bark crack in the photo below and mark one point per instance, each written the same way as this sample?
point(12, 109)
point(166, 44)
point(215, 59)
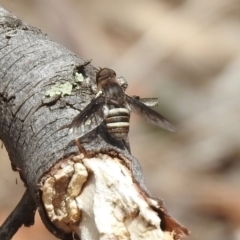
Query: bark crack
point(29, 127)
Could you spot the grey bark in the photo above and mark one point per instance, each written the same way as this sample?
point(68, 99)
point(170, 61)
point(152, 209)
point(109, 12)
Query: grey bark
point(30, 64)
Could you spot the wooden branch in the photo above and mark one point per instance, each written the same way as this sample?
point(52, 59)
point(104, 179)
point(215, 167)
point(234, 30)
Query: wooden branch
point(22, 214)
point(95, 193)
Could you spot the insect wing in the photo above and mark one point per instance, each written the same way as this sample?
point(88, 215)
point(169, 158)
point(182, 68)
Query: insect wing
point(149, 114)
point(150, 102)
point(90, 117)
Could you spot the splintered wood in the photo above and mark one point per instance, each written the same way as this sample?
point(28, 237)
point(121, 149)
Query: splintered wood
point(97, 198)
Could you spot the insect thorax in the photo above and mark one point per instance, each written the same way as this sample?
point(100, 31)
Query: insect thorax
point(117, 122)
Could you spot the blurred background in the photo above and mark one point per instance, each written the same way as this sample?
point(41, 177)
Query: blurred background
point(186, 53)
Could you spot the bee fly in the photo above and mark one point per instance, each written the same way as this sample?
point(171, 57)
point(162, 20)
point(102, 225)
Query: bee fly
point(112, 106)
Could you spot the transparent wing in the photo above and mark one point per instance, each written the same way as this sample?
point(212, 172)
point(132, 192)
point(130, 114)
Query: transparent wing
point(149, 114)
point(150, 102)
point(90, 117)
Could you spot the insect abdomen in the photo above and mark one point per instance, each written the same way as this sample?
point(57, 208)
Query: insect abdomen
point(117, 123)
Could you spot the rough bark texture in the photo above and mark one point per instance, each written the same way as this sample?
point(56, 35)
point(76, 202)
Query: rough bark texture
point(30, 65)
point(30, 62)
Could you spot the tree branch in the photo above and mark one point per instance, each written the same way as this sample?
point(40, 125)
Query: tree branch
point(43, 86)
point(22, 214)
